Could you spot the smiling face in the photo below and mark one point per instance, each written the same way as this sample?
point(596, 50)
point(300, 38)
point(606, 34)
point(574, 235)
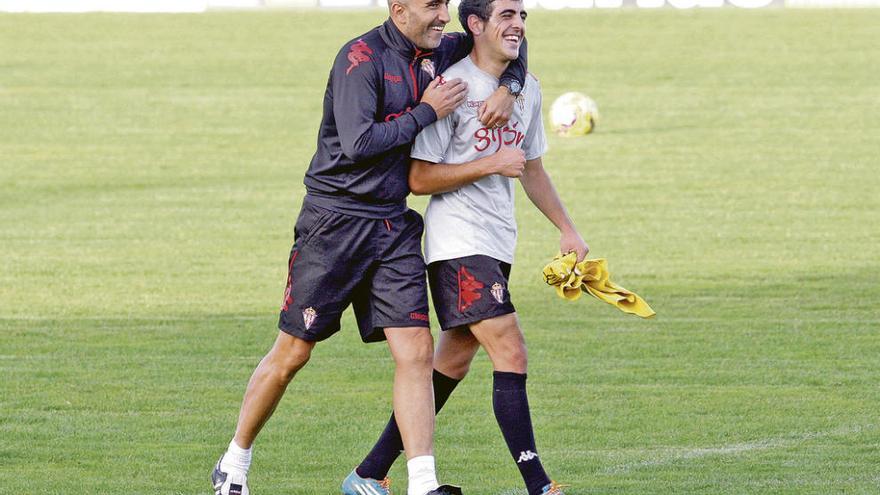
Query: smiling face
point(422, 21)
point(502, 33)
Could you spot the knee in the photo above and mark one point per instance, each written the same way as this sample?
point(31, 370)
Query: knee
point(290, 359)
point(453, 369)
point(454, 364)
point(419, 353)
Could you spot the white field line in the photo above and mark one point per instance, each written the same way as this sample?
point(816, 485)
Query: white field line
point(669, 456)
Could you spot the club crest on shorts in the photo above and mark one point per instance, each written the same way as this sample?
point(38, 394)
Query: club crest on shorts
point(309, 315)
point(498, 292)
point(428, 66)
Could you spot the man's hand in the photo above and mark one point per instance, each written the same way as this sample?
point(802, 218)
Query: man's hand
point(572, 241)
point(445, 96)
point(497, 109)
point(509, 162)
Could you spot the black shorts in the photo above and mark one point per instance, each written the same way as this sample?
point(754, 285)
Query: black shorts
point(470, 289)
point(374, 264)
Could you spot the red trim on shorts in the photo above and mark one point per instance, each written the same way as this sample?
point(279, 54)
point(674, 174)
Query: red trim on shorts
point(458, 274)
point(288, 299)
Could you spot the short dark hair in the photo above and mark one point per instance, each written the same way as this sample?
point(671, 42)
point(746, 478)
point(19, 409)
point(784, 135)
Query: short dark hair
point(479, 8)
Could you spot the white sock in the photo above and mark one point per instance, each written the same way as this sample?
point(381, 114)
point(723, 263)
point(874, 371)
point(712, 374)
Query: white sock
point(236, 460)
point(422, 475)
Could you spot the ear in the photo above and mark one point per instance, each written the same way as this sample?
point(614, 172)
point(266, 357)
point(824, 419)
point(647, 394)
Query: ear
point(475, 24)
point(397, 10)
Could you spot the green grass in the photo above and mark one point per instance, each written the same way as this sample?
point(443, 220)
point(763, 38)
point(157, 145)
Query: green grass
point(150, 174)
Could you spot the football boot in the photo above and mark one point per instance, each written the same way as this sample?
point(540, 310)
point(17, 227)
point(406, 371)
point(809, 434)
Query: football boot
point(445, 490)
point(553, 489)
point(228, 483)
point(355, 485)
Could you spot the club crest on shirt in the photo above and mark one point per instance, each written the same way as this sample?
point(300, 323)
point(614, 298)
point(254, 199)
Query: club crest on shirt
point(498, 292)
point(309, 315)
point(428, 66)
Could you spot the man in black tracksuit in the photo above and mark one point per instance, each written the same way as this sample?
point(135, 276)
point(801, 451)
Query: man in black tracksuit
point(372, 114)
point(355, 241)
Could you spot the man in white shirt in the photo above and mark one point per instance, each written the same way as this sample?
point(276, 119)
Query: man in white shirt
point(471, 233)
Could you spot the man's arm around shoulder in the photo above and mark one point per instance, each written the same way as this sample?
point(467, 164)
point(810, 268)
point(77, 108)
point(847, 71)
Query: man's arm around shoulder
point(355, 98)
point(355, 85)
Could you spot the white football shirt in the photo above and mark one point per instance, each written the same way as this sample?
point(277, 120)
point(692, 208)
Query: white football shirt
point(478, 218)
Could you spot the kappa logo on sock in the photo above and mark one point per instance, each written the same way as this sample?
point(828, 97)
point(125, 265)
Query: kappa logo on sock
point(234, 489)
point(526, 456)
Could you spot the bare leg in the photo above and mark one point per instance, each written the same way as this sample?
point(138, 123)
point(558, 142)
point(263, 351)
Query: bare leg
point(455, 352)
point(268, 383)
point(504, 342)
point(412, 348)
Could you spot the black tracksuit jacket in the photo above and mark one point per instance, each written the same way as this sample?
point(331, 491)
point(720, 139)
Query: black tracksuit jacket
point(372, 115)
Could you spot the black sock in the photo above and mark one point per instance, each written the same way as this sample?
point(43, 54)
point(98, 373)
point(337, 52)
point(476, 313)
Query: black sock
point(389, 446)
point(511, 406)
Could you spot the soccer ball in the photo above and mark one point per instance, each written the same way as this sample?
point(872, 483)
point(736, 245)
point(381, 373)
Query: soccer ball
point(574, 114)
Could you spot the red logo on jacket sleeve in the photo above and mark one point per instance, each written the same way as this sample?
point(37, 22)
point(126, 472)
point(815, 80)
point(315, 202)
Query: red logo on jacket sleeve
point(392, 116)
point(359, 52)
point(468, 286)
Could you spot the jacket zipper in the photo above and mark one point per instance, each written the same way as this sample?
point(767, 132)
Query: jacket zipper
point(412, 74)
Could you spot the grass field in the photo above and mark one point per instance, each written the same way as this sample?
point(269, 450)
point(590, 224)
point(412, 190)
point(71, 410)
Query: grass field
point(150, 173)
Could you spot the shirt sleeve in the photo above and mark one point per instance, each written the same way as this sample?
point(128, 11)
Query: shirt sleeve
point(354, 82)
point(431, 144)
point(535, 144)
